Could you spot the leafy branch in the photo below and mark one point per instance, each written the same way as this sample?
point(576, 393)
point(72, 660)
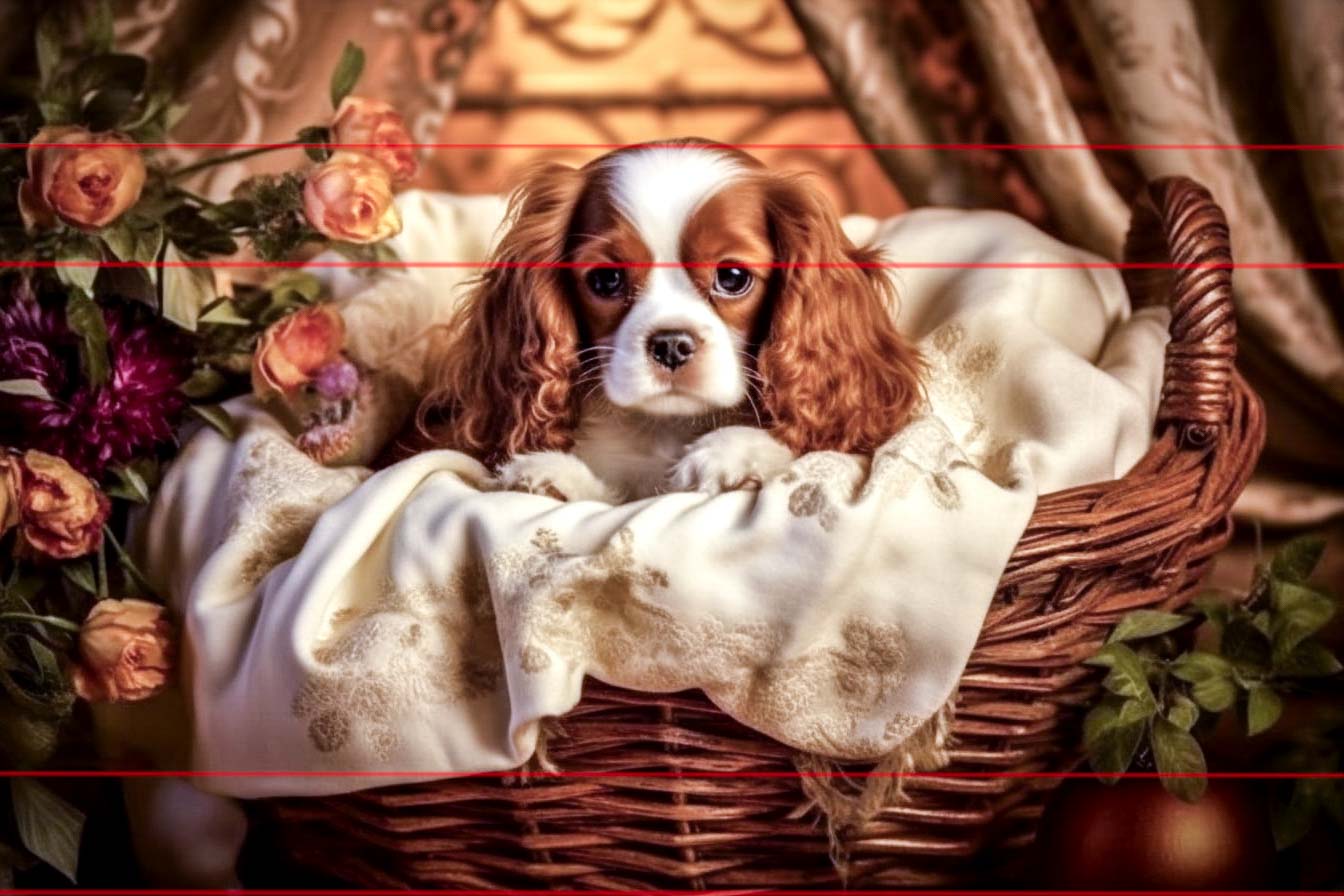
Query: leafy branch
point(1159, 696)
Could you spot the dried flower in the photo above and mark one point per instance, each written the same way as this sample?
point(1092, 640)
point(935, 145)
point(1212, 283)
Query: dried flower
point(9, 492)
point(125, 652)
point(85, 186)
point(293, 349)
point(93, 428)
point(360, 120)
point(61, 513)
point(349, 197)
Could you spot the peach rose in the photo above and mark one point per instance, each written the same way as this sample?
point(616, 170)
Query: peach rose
point(9, 493)
point(294, 348)
point(61, 513)
point(125, 652)
point(349, 197)
point(86, 187)
point(374, 122)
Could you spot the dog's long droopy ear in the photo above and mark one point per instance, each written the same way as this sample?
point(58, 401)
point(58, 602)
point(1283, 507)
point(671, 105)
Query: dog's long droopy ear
point(501, 371)
point(837, 375)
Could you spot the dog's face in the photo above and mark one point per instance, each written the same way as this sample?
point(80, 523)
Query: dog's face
point(680, 279)
point(671, 264)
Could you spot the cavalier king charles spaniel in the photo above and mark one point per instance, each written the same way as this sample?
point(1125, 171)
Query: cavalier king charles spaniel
point(670, 316)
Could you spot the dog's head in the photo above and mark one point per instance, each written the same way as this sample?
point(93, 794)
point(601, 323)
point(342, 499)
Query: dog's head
point(678, 279)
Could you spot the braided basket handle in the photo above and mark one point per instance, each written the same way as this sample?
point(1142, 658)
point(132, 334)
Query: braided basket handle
point(1179, 230)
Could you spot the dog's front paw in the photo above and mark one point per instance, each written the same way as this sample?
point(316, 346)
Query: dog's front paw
point(730, 458)
point(555, 474)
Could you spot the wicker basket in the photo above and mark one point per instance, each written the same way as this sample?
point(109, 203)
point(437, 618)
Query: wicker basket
point(1089, 555)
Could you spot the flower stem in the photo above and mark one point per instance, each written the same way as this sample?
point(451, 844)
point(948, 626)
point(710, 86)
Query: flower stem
point(102, 571)
point(51, 621)
point(129, 565)
point(188, 170)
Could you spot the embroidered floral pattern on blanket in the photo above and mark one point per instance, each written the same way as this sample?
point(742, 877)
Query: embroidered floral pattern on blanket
point(275, 499)
point(601, 610)
point(407, 651)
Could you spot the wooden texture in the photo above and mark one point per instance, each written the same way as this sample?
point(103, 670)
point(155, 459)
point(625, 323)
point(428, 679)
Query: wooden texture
point(1089, 555)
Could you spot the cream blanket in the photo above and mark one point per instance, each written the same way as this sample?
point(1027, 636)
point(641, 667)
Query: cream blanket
point(409, 621)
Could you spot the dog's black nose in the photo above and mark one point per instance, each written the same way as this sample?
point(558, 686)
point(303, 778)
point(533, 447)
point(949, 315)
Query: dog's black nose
point(672, 348)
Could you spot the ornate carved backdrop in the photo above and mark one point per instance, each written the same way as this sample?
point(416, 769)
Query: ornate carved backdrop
point(544, 71)
point(619, 71)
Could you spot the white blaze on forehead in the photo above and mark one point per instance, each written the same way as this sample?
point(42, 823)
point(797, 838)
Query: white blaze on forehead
point(658, 189)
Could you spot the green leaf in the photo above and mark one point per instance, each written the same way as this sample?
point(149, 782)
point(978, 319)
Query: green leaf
point(129, 244)
point(186, 290)
point(123, 72)
point(1291, 820)
point(203, 382)
point(104, 109)
point(1297, 559)
point(233, 213)
point(1136, 709)
point(296, 287)
point(82, 274)
point(348, 70)
point(1263, 708)
point(1177, 752)
point(80, 572)
point(226, 313)
point(1213, 606)
point(218, 418)
point(1126, 677)
point(1210, 677)
point(49, 827)
point(1299, 613)
point(1199, 665)
point(98, 30)
point(1110, 743)
point(1146, 624)
point(1311, 659)
point(85, 320)
point(26, 388)
point(315, 140)
point(1183, 712)
point(50, 46)
point(1245, 647)
point(130, 485)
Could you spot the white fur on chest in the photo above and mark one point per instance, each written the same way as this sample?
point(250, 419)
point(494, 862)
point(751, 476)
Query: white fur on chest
point(633, 454)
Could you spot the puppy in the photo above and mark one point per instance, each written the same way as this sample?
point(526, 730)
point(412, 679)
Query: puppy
point(670, 316)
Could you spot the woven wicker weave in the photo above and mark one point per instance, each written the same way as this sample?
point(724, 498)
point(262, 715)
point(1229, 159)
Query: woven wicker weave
point(1089, 555)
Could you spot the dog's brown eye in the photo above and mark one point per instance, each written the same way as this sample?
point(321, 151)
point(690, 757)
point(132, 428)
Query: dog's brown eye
point(731, 280)
point(606, 283)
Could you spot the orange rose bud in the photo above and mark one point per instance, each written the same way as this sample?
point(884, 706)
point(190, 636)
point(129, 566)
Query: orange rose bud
point(87, 187)
point(125, 652)
point(61, 513)
point(294, 348)
point(349, 197)
point(382, 132)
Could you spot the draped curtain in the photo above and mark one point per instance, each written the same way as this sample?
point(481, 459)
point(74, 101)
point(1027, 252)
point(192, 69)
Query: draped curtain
point(1156, 72)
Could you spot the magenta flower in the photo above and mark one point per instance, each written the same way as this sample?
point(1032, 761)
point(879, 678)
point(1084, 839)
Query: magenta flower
point(129, 416)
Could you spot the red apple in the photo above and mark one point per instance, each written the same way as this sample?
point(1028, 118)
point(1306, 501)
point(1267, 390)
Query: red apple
point(1134, 834)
